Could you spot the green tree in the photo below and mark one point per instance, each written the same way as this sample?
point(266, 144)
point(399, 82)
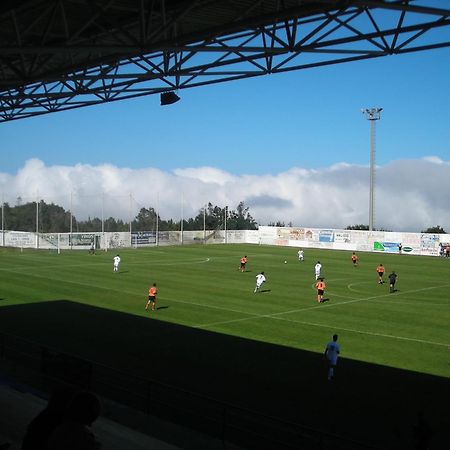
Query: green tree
point(53, 218)
point(435, 230)
point(276, 224)
point(241, 219)
point(89, 225)
point(358, 227)
point(211, 217)
point(114, 225)
point(145, 220)
point(215, 217)
point(171, 225)
point(21, 217)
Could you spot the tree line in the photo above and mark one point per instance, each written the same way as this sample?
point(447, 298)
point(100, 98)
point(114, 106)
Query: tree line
point(53, 218)
point(432, 230)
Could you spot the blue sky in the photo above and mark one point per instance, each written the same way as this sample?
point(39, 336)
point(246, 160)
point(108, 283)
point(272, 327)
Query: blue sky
point(308, 118)
point(283, 144)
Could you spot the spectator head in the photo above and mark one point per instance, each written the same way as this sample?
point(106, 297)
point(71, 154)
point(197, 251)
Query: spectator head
point(84, 408)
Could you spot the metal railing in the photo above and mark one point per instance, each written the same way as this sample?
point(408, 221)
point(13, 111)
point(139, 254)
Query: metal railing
point(44, 368)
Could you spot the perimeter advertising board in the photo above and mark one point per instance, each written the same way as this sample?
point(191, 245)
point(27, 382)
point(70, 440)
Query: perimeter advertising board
point(143, 238)
point(118, 240)
point(429, 244)
point(342, 237)
point(19, 239)
point(84, 239)
point(326, 236)
point(388, 247)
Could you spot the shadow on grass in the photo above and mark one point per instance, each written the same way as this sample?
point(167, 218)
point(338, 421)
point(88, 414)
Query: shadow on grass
point(366, 402)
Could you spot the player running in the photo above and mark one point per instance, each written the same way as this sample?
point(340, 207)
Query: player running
point(392, 280)
point(320, 286)
point(354, 259)
point(260, 279)
point(332, 351)
point(243, 263)
point(380, 272)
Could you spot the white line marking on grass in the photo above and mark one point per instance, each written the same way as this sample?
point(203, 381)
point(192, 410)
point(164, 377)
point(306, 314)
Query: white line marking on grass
point(391, 336)
point(330, 279)
point(23, 269)
point(316, 307)
point(328, 305)
point(349, 286)
point(417, 303)
point(336, 295)
point(221, 308)
point(336, 279)
point(327, 292)
point(331, 293)
point(333, 327)
point(225, 322)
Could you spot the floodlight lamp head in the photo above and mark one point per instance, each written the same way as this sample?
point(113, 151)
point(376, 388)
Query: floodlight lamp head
point(372, 113)
point(167, 98)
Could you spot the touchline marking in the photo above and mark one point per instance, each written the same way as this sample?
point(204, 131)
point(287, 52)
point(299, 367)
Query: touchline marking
point(275, 315)
point(417, 303)
point(392, 336)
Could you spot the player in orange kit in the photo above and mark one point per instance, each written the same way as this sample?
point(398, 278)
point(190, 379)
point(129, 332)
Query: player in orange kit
point(152, 292)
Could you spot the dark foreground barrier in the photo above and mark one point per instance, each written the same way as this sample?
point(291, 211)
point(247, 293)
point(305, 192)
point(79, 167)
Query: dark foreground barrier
point(44, 369)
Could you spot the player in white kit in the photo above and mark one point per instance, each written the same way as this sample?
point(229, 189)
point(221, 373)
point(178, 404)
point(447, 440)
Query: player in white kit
point(116, 262)
point(260, 279)
point(332, 351)
point(317, 269)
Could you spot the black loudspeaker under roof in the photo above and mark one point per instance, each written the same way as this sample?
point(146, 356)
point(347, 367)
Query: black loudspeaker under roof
point(167, 98)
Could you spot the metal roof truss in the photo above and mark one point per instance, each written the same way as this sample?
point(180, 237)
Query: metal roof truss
point(51, 62)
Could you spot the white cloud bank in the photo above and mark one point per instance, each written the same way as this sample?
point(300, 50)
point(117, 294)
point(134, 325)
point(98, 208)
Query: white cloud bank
point(410, 194)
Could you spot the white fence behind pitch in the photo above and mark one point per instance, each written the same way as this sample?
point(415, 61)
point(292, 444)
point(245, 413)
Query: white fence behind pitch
point(351, 240)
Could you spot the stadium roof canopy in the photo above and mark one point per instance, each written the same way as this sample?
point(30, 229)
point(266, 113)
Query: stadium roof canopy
point(63, 54)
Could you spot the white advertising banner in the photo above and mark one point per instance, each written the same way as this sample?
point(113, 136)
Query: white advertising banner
point(326, 238)
point(429, 244)
point(20, 239)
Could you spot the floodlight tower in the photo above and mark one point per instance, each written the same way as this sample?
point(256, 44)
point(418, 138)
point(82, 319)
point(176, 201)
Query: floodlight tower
point(372, 114)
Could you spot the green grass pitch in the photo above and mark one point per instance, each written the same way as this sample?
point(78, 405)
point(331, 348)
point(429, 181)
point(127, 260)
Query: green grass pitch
point(213, 335)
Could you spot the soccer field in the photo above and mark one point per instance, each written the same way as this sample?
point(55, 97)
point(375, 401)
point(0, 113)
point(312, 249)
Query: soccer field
point(212, 334)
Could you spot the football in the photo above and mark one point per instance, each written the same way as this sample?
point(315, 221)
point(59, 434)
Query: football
point(285, 262)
